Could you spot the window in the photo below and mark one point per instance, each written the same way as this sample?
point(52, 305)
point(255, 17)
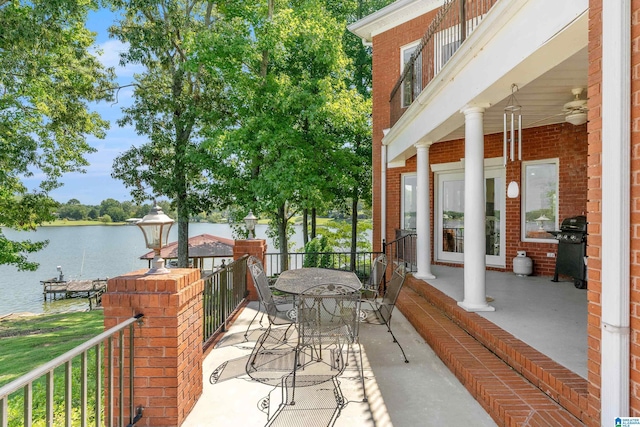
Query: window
point(409, 204)
point(413, 79)
point(540, 207)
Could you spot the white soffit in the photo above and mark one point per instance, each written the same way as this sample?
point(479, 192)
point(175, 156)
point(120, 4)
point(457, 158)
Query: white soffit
point(516, 43)
point(397, 13)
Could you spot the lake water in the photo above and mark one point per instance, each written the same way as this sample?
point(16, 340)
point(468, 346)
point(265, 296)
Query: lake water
point(88, 252)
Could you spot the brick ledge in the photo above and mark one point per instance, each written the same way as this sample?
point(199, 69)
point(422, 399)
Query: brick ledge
point(515, 383)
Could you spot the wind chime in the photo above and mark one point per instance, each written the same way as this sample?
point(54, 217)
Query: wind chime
point(512, 133)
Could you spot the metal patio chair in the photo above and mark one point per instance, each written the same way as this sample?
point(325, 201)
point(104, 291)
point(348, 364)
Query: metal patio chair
point(371, 288)
point(383, 309)
point(328, 320)
point(275, 315)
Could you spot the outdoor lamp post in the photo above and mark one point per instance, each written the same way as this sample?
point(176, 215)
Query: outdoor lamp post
point(250, 221)
point(155, 226)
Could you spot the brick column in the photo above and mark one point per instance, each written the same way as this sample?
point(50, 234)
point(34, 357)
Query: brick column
point(168, 346)
point(256, 248)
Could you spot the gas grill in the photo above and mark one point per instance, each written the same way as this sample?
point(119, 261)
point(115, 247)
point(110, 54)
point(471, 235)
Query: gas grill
point(572, 250)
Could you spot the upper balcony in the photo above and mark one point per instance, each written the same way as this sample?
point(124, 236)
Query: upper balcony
point(451, 26)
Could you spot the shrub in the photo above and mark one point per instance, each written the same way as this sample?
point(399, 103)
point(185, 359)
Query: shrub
point(316, 253)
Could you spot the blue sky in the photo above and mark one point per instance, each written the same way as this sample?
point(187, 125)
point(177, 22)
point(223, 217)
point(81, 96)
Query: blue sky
point(96, 184)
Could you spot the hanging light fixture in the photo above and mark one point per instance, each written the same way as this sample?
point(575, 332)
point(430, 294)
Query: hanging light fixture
point(512, 126)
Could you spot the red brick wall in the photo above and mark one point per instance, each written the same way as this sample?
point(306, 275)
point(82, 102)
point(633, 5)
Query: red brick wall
point(256, 248)
point(594, 210)
point(168, 358)
point(386, 71)
point(563, 141)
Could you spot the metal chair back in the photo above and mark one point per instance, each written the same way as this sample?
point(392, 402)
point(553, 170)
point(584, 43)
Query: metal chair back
point(392, 293)
point(378, 269)
point(261, 283)
point(328, 320)
point(328, 313)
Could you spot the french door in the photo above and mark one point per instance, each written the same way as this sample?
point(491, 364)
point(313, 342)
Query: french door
point(449, 216)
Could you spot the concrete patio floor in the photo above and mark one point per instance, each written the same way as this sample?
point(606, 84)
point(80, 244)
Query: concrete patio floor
point(549, 316)
point(423, 392)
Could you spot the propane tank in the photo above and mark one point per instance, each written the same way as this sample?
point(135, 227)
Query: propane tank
point(522, 264)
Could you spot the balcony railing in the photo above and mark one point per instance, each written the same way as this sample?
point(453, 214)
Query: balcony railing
point(85, 406)
point(224, 291)
point(335, 260)
point(402, 250)
point(442, 39)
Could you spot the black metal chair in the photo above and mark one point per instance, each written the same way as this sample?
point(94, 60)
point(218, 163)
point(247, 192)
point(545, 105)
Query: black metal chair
point(372, 287)
point(328, 320)
point(383, 309)
point(275, 315)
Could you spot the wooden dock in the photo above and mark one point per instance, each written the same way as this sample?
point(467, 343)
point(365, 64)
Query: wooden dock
point(54, 289)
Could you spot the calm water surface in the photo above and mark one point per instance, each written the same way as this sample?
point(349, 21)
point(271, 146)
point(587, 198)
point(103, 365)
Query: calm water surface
point(87, 252)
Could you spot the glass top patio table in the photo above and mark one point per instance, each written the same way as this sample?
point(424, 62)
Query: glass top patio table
point(299, 280)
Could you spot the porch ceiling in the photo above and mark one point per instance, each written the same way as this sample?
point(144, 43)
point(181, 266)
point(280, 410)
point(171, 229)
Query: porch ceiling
point(542, 100)
point(546, 61)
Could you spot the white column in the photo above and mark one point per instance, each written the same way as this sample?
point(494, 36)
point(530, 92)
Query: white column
point(475, 298)
point(423, 217)
point(615, 273)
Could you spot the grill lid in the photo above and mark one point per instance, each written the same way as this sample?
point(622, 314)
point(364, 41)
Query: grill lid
point(576, 223)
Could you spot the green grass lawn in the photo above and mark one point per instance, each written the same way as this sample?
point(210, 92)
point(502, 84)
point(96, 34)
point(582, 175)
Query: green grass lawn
point(28, 342)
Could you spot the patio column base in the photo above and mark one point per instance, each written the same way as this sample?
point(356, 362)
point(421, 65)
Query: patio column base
point(476, 307)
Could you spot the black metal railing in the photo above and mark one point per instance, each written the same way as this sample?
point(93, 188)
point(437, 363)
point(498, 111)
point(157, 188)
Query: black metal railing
point(335, 260)
point(61, 406)
point(402, 250)
point(442, 39)
point(224, 290)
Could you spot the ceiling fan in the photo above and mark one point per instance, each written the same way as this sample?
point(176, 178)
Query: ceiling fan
point(574, 112)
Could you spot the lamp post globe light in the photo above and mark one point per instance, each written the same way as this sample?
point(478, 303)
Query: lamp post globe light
point(250, 221)
point(155, 227)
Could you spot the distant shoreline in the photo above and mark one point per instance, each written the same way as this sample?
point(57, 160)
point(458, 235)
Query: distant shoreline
point(66, 222)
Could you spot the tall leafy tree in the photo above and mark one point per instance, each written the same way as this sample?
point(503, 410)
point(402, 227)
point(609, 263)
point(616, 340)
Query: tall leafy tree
point(173, 98)
point(285, 70)
point(358, 187)
point(48, 78)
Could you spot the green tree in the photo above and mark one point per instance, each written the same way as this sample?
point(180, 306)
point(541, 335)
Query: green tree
point(75, 212)
point(107, 204)
point(173, 97)
point(358, 168)
point(317, 253)
point(286, 74)
point(128, 208)
point(117, 214)
point(48, 77)
point(93, 213)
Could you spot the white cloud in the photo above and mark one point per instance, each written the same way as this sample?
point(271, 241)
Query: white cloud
point(110, 57)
